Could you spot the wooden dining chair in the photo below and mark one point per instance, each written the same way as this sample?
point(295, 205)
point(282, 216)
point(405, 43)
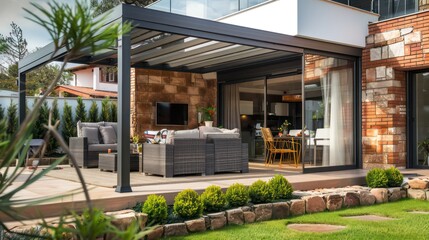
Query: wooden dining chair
point(284, 147)
point(292, 149)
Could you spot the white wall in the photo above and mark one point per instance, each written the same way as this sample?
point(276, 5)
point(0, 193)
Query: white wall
point(333, 22)
point(275, 16)
point(316, 19)
point(83, 78)
point(111, 87)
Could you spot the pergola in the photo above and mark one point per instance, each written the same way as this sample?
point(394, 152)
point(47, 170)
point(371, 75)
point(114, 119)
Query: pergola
point(167, 41)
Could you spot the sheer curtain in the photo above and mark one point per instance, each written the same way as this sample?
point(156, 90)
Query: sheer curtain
point(337, 94)
point(231, 106)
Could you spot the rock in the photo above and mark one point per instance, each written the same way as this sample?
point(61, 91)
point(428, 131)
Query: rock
point(314, 204)
point(381, 195)
point(366, 199)
point(403, 193)
point(417, 194)
point(405, 185)
point(300, 194)
point(197, 225)
point(394, 194)
point(249, 217)
point(207, 220)
point(235, 216)
point(156, 233)
point(142, 217)
point(334, 202)
point(418, 184)
point(175, 229)
point(297, 207)
point(123, 219)
point(351, 199)
point(280, 210)
point(217, 220)
point(263, 212)
point(246, 209)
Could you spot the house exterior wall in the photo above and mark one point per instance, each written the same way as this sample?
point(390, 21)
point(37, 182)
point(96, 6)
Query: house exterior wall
point(393, 47)
point(83, 78)
point(102, 86)
point(151, 86)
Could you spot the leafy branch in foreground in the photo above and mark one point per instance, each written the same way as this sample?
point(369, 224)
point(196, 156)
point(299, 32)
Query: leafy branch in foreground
point(75, 30)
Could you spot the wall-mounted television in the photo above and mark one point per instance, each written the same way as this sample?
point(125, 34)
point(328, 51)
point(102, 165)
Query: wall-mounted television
point(171, 113)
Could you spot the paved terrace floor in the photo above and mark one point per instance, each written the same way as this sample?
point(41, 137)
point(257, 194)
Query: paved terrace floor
point(64, 182)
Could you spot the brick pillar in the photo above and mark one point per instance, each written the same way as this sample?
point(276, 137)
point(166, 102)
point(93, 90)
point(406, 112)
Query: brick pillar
point(133, 111)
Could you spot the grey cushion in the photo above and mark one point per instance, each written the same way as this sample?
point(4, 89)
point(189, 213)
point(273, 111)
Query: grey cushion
point(92, 134)
point(204, 130)
point(113, 124)
point(194, 133)
point(108, 135)
point(80, 125)
point(102, 147)
point(210, 136)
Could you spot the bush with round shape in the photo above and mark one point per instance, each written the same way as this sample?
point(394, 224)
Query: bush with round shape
point(213, 199)
point(394, 177)
point(260, 192)
point(187, 204)
point(237, 195)
point(280, 187)
point(156, 208)
point(376, 178)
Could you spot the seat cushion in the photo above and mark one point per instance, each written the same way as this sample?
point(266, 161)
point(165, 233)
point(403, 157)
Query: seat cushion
point(80, 125)
point(205, 130)
point(221, 135)
point(108, 134)
point(92, 134)
point(193, 133)
point(102, 147)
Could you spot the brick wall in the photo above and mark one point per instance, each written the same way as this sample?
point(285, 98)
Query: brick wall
point(151, 86)
point(393, 47)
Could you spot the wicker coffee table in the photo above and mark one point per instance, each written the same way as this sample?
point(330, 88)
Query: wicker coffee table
point(109, 161)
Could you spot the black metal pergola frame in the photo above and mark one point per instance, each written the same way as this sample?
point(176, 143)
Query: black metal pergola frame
point(167, 41)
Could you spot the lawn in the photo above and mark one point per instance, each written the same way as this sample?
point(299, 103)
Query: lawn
point(405, 226)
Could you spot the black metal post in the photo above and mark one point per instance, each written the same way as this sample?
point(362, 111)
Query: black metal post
point(124, 89)
point(22, 98)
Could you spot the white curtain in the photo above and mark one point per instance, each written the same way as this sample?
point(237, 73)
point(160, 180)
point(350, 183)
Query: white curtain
point(337, 94)
point(231, 106)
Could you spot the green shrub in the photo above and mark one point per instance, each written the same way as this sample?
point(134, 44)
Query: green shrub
point(93, 112)
point(237, 195)
point(376, 178)
point(105, 110)
point(260, 192)
point(80, 111)
point(53, 143)
point(394, 177)
point(187, 204)
point(156, 208)
point(280, 187)
point(213, 199)
point(69, 127)
point(12, 119)
point(114, 111)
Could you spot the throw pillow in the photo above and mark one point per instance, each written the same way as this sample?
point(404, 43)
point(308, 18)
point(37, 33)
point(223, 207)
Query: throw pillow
point(108, 135)
point(92, 134)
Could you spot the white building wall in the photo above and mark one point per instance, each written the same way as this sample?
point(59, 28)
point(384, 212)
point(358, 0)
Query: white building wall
point(83, 78)
point(275, 16)
point(102, 86)
point(333, 22)
point(316, 19)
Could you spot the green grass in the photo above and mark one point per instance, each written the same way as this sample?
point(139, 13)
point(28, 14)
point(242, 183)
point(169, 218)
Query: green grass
point(405, 226)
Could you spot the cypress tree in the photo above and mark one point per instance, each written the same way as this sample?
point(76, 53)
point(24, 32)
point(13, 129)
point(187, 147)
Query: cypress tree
point(53, 144)
point(2, 117)
point(12, 119)
point(114, 111)
point(80, 110)
point(105, 111)
point(69, 128)
point(93, 112)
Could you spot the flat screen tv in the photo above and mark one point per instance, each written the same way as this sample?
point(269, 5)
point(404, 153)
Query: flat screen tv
point(171, 113)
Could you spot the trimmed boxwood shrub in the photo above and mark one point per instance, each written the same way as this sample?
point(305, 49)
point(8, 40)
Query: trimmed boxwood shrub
point(260, 192)
point(187, 204)
point(237, 195)
point(156, 208)
point(280, 187)
point(376, 178)
point(394, 177)
point(213, 199)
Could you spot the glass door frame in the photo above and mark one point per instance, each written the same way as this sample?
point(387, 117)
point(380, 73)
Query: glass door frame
point(357, 114)
point(412, 155)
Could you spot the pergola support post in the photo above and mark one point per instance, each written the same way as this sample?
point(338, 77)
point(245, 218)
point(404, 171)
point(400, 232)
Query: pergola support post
point(22, 98)
point(124, 89)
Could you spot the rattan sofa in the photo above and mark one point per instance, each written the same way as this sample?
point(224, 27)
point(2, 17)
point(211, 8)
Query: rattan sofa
point(202, 154)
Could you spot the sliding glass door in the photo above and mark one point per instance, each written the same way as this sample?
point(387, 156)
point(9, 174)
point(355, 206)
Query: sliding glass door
point(329, 111)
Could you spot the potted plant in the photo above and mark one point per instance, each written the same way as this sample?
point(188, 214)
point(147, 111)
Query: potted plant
point(284, 127)
point(209, 113)
point(136, 140)
point(423, 147)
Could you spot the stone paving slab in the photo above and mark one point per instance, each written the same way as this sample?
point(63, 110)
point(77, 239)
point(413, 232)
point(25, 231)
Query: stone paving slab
point(316, 228)
point(373, 218)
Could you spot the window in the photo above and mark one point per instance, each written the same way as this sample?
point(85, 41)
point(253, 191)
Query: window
point(109, 75)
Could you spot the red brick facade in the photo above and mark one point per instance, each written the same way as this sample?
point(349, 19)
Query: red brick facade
point(394, 47)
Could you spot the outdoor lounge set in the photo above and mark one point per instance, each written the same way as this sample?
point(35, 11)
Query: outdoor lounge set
point(205, 151)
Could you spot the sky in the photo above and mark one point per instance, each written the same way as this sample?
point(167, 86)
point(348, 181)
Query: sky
point(12, 10)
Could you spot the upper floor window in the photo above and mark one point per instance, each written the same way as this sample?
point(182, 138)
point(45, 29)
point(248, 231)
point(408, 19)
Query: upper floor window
point(109, 75)
point(386, 8)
